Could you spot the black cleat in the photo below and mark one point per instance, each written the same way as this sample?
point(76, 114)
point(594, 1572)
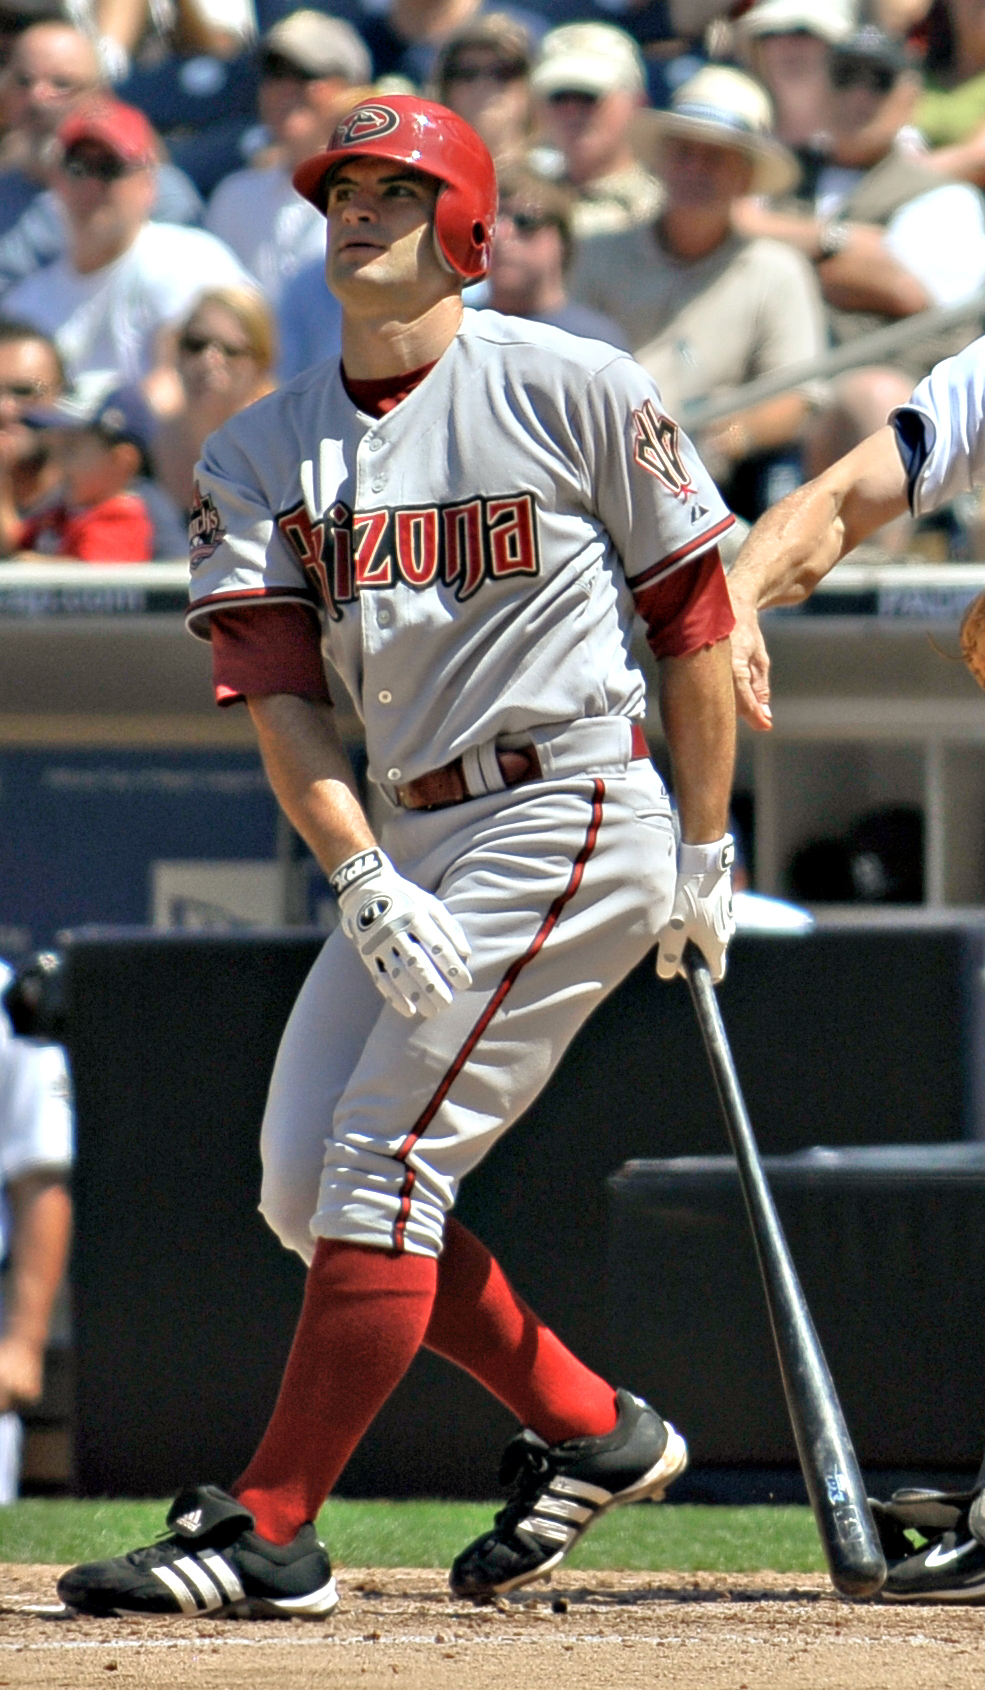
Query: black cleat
point(951, 1569)
point(949, 1565)
point(559, 1490)
point(214, 1563)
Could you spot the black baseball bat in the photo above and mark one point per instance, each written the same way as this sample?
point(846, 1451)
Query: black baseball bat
point(828, 1461)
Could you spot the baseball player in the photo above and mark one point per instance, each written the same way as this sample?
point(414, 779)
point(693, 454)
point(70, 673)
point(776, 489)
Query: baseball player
point(931, 449)
point(466, 510)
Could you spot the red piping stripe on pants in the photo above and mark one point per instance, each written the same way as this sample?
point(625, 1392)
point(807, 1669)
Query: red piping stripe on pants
point(509, 978)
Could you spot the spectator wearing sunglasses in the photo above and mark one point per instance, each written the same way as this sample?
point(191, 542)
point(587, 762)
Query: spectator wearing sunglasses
point(311, 66)
point(531, 254)
point(53, 69)
point(483, 74)
point(589, 87)
point(122, 280)
point(225, 360)
point(887, 242)
point(408, 38)
point(950, 116)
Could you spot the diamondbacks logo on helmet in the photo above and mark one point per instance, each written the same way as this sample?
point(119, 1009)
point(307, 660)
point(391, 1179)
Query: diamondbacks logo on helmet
point(366, 123)
point(657, 449)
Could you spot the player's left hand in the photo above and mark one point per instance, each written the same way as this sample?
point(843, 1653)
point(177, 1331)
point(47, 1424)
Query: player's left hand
point(702, 909)
point(750, 667)
point(412, 945)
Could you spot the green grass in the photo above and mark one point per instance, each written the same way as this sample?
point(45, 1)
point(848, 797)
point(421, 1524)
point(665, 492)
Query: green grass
point(685, 1538)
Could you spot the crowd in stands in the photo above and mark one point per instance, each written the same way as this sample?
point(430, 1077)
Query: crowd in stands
point(721, 191)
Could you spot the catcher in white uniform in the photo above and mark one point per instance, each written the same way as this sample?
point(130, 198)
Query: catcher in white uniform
point(931, 449)
point(467, 512)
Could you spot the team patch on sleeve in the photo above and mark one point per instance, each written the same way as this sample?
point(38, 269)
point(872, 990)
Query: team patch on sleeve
point(205, 530)
point(657, 449)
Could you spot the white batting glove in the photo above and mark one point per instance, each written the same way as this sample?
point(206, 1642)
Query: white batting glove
point(702, 908)
point(412, 946)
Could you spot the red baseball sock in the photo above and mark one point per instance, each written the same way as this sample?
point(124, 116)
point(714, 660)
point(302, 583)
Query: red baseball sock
point(364, 1315)
point(479, 1322)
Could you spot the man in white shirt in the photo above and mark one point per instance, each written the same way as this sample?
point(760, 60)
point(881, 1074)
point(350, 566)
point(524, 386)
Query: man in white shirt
point(309, 62)
point(122, 278)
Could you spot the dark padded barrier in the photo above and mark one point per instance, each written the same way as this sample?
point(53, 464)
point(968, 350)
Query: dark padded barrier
point(889, 1245)
point(184, 1301)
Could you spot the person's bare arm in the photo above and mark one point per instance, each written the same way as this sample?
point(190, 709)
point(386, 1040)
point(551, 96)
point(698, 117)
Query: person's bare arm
point(964, 161)
point(756, 429)
point(311, 776)
point(795, 544)
point(41, 1213)
point(864, 276)
point(697, 706)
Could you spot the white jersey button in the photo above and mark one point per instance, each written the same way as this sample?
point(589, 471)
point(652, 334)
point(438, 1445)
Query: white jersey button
point(384, 616)
point(375, 443)
point(385, 697)
point(378, 485)
point(394, 774)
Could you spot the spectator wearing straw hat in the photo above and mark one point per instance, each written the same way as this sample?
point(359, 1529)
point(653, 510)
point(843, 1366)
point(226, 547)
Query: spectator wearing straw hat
point(706, 310)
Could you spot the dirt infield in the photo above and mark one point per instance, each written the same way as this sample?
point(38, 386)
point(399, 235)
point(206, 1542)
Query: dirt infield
point(709, 1631)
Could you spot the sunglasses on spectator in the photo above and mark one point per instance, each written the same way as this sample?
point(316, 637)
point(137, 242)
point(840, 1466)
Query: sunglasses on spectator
point(509, 70)
point(104, 168)
point(855, 73)
point(196, 344)
point(278, 69)
point(24, 391)
point(527, 222)
point(577, 95)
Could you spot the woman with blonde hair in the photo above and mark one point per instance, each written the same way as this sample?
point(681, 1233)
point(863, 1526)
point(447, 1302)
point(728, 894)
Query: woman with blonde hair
point(224, 359)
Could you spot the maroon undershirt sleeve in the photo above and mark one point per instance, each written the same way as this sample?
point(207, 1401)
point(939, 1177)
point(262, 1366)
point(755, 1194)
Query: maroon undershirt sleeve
point(258, 650)
point(688, 609)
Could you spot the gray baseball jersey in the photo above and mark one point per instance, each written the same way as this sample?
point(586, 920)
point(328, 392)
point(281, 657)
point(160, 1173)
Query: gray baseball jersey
point(941, 430)
point(474, 549)
point(474, 552)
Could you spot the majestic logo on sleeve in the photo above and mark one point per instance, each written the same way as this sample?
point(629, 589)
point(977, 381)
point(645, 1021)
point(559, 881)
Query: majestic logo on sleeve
point(458, 546)
point(205, 530)
point(366, 123)
point(657, 449)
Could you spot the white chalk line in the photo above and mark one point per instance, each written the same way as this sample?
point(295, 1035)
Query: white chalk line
point(400, 1640)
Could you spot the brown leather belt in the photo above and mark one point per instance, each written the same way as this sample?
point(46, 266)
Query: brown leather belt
point(441, 787)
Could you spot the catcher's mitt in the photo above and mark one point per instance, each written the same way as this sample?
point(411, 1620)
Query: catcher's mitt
point(973, 638)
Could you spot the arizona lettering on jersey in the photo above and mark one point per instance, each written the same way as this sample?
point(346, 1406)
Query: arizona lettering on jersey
point(460, 545)
point(476, 548)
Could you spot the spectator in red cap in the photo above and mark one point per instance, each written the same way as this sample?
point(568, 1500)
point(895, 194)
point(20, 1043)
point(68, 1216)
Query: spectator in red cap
point(122, 278)
point(53, 69)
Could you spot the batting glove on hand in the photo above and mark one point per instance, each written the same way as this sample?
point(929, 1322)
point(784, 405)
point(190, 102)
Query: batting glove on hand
point(412, 946)
point(702, 909)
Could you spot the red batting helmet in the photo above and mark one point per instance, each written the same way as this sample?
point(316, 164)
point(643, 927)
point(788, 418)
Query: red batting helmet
point(429, 137)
